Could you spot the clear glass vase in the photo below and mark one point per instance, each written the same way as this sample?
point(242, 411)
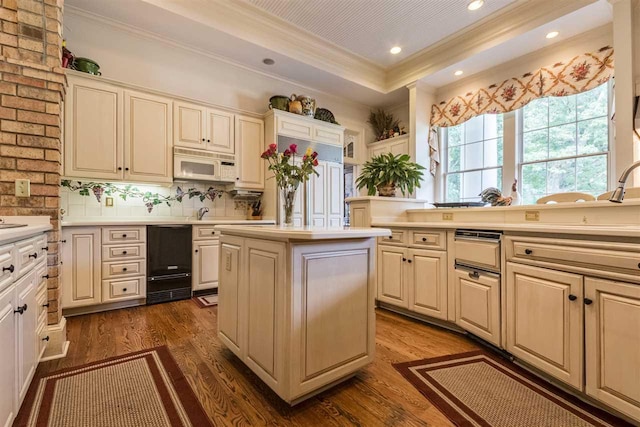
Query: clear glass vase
point(288, 202)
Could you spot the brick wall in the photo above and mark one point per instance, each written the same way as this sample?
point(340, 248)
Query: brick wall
point(31, 92)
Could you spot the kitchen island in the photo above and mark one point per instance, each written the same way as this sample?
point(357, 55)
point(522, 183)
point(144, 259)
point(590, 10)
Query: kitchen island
point(296, 305)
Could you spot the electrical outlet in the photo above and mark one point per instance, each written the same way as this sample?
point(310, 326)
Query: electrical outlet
point(227, 261)
point(532, 215)
point(447, 216)
point(108, 202)
point(23, 188)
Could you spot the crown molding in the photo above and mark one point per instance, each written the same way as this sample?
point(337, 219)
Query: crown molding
point(518, 19)
point(249, 23)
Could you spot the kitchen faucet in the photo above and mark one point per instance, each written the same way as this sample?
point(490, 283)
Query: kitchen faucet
point(618, 194)
point(203, 210)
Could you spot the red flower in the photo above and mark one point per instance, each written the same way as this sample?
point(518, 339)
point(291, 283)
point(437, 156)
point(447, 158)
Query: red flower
point(304, 158)
point(265, 155)
point(287, 153)
point(293, 148)
point(273, 148)
point(314, 155)
point(315, 162)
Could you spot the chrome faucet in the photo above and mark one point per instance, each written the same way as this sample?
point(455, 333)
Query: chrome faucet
point(203, 210)
point(618, 193)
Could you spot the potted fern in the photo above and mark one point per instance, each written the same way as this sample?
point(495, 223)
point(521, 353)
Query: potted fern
point(387, 172)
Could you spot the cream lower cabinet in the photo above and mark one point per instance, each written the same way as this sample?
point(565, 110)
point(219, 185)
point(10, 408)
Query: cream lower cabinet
point(612, 344)
point(81, 266)
point(27, 345)
point(544, 320)
point(229, 298)
point(8, 371)
point(205, 258)
point(415, 279)
point(477, 302)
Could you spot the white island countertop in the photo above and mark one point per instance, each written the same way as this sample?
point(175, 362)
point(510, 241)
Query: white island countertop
point(277, 232)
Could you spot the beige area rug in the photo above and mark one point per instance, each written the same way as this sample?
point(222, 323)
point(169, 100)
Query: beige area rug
point(479, 389)
point(142, 389)
point(206, 301)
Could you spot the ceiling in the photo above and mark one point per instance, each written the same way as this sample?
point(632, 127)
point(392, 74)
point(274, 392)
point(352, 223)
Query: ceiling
point(342, 47)
point(370, 28)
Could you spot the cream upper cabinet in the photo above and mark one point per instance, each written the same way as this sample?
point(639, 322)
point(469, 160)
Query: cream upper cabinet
point(328, 135)
point(428, 282)
point(189, 125)
point(612, 343)
point(296, 127)
point(147, 141)
point(220, 131)
point(249, 137)
point(392, 284)
point(93, 135)
point(544, 320)
point(477, 304)
point(81, 266)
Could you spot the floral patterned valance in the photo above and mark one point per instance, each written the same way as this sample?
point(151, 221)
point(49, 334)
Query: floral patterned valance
point(580, 74)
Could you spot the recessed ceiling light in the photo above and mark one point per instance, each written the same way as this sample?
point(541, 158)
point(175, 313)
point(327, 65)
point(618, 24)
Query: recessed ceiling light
point(268, 61)
point(475, 4)
point(458, 73)
point(396, 50)
point(552, 34)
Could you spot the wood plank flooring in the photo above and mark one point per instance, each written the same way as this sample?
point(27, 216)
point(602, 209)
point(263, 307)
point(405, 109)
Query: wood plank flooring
point(233, 396)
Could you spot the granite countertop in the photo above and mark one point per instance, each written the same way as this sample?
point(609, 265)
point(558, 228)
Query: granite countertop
point(276, 232)
point(80, 222)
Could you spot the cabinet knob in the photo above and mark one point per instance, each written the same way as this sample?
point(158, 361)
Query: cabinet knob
point(588, 301)
point(202, 139)
point(213, 232)
point(45, 305)
point(46, 338)
point(424, 239)
point(390, 237)
point(124, 289)
point(404, 259)
point(124, 252)
point(119, 168)
point(21, 310)
point(238, 179)
point(46, 248)
point(409, 261)
point(10, 268)
point(63, 241)
point(474, 275)
point(46, 276)
point(126, 169)
point(124, 236)
point(196, 251)
point(528, 251)
point(572, 297)
point(124, 268)
point(208, 140)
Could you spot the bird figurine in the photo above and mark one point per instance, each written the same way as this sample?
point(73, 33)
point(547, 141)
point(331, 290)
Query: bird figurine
point(516, 199)
point(494, 196)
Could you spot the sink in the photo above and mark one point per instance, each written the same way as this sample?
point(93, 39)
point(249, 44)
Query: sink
point(2, 226)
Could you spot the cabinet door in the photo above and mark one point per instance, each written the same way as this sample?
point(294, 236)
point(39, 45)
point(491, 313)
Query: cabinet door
point(427, 282)
point(477, 296)
point(392, 286)
point(249, 138)
point(612, 344)
point(27, 346)
point(81, 269)
point(93, 137)
point(189, 125)
point(318, 196)
point(294, 126)
point(147, 141)
point(8, 381)
point(205, 264)
point(544, 320)
point(399, 147)
point(328, 135)
point(229, 301)
point(335, 194)
point(220, 129)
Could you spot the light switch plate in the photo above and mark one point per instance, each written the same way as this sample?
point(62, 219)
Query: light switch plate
point(108, 202)
point(23, 188)
point(532, 215)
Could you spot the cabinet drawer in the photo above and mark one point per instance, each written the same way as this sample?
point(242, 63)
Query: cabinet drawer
point(43, 339)
point(123, 252)
point(397, 236)
point(431, 239)
point(7, 266)
point(27, 256)
point(41, 309)
point(330, 136)
point(591, 257)
point(478, 253)
point(123, 234)
point(41, 276)
point(293, 127)
point(205, 233)
point(41, 246)
point(123, 289)
point(123, 268)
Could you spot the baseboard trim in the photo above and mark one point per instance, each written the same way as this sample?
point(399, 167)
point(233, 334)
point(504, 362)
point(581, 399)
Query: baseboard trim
point(77, 311)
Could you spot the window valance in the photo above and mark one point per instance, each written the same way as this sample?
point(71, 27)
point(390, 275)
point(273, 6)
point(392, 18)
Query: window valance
point(580, 74)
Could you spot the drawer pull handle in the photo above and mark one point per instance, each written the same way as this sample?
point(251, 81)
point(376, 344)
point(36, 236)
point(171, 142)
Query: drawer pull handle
point(474, 275)
point(63, 241)
point(46, 248)
point(46, 276)
point(11, 268)
point(124, 236)
point(572, 297)
point(588, 301)
point(424, 239)
point(45, 305)
point(46, 338)
point(124, 289)
point(124, 252)
point(33, 255)
point(21, 310)
point(528, 251)
point(409, 261)
point(124, 269)
point(213, 232)
point(390, 237)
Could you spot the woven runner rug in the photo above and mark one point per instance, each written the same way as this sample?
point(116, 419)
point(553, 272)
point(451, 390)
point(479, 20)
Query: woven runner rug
point(206, 301)
point(479, 389)
point(142, 389)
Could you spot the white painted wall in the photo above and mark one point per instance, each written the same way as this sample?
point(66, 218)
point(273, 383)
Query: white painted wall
point(150, 62)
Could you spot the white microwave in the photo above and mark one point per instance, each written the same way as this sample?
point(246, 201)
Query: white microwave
point(199, 165)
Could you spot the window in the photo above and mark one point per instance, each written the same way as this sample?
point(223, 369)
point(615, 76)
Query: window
point(565, 144)
point(474, 157)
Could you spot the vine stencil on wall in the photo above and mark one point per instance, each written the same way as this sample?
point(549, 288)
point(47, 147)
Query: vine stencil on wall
point(130, 191)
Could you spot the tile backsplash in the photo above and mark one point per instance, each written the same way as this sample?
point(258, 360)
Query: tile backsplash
point(75, 206)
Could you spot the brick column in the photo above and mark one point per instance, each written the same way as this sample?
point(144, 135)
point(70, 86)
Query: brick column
point(32, 86)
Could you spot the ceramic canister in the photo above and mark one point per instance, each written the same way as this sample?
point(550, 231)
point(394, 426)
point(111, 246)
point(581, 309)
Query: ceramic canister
point(308, 105)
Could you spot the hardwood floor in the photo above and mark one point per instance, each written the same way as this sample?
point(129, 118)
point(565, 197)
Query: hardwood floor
point(233, 396)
